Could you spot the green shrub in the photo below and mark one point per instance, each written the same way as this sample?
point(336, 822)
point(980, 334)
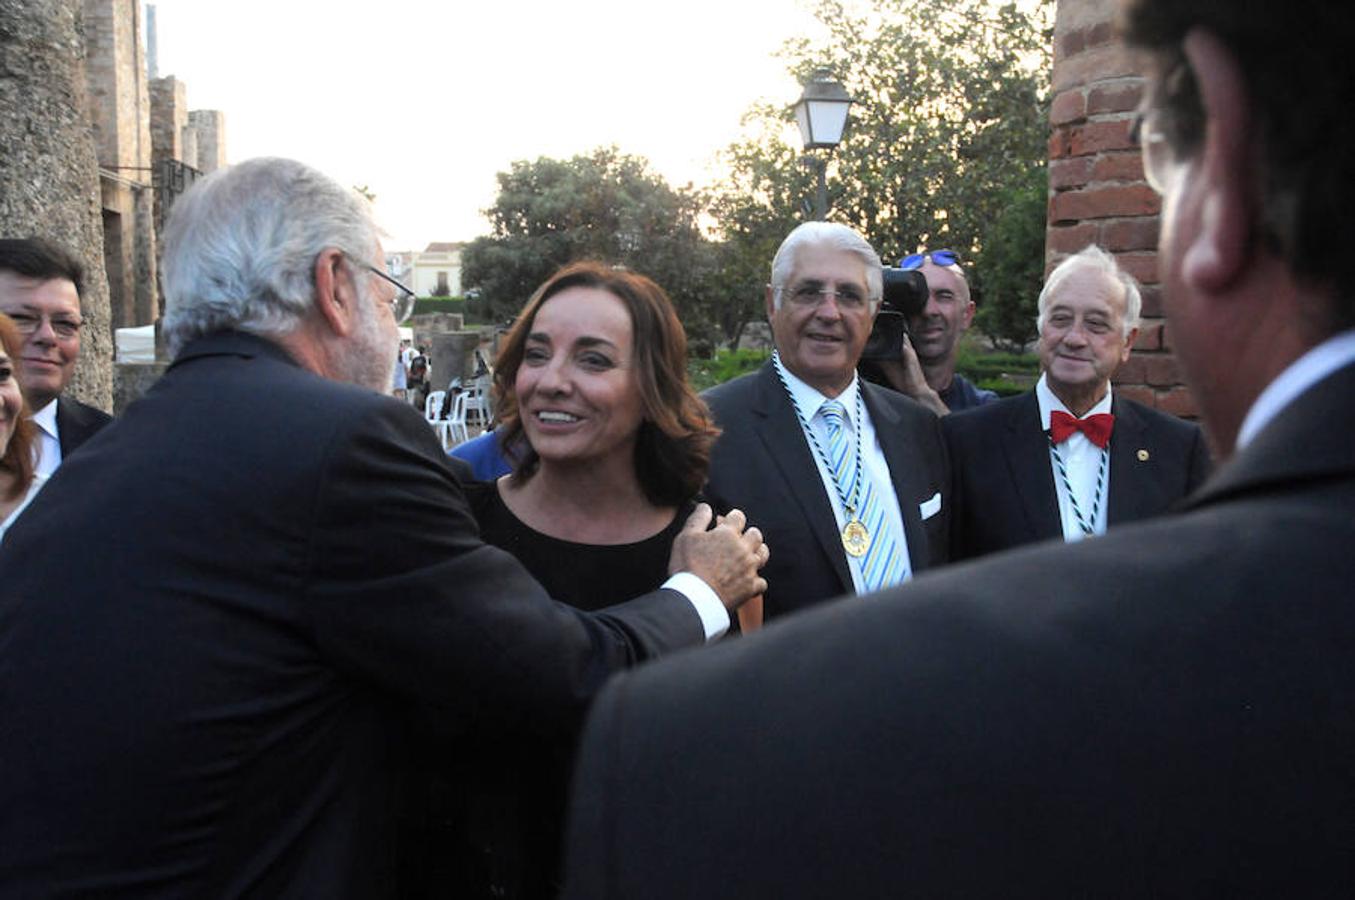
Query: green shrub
point(726, 364)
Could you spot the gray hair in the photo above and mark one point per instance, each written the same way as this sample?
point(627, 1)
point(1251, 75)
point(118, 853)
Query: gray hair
point(241, 244)
point(1093, 257)
point(839, 237)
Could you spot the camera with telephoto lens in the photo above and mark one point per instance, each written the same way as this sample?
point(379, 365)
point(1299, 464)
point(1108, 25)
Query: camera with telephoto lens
point(904, 295)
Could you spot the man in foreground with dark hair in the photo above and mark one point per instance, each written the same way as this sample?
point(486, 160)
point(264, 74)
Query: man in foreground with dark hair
point(1163, 711)
point(40, 285)
point(213, 622)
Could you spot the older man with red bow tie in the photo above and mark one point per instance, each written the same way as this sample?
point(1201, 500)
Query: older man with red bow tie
point(1070, 458)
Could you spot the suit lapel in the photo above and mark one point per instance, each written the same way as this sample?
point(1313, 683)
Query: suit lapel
point(1026, 451)
point(779, 430)
point(902, 456)
point(1125, 500)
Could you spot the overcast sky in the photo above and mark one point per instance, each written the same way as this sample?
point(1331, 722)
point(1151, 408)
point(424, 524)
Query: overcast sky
point(425, 101)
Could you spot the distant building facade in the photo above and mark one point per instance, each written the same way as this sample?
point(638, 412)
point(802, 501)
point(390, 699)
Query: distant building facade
point(434, 271)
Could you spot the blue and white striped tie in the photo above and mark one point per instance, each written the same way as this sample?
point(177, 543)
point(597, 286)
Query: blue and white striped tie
point(884, 563)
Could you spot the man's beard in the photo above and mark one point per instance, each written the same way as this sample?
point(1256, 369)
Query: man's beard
point(370, 361)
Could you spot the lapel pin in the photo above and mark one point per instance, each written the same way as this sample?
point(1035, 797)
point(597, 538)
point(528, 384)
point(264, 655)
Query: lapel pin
point(1142, 455)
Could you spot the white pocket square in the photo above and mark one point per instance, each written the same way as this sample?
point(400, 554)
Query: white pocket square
point(929, 508)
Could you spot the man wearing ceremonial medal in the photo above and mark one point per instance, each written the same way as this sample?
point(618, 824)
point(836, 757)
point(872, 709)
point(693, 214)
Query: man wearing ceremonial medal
point(845, 478)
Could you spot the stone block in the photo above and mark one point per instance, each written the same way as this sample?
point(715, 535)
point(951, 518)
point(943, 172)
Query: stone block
point(1104, 203)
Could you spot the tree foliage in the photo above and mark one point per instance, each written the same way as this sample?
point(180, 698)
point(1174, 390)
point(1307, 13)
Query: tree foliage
point(605, 205)
point(949, 114)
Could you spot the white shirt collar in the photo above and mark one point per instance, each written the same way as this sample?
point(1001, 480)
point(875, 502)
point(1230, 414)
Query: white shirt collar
point(45, 419)
point(808, 399)
point(1049, 402)
point(1306, 371)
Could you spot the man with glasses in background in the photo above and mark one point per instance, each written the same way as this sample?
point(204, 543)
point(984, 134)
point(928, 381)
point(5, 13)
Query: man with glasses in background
point(217, 618)
point(40, 286)
point(846, 479)
point(926, 368)
point(1071, 457)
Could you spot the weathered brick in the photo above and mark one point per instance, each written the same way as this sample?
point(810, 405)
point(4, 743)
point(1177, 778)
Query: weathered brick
point(1162, 370)
point(1073, 43)
point(1070, 173)
point(1130, 234)
point(1068, 107)
point(1058, 143)
point(1101, 63)
point(1100, 33)
point(1141, 393)
point(1150, 335)
point(1179, 401)
point(1070, 239)
point(1142, 266)
point(1098, 137)
point(1123, 96)
point(1125, 165)
point(1151, 295)
point(1104, 203)
point(1133, 371)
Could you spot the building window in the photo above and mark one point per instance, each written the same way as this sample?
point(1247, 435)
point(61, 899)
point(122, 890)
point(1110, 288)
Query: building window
point(443, 289)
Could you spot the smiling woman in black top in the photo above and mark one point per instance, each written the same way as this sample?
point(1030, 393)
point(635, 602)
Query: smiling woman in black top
point(610, 445)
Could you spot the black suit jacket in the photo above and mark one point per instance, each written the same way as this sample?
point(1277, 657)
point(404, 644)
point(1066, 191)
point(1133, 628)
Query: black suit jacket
point(1166, 711)
point(76, 423)
point(214, 617)
point(1004, 487)
point(763, 465)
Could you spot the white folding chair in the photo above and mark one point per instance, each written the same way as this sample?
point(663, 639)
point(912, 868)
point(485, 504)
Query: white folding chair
point(456, 422)
point(432, 413)
point(477, 407)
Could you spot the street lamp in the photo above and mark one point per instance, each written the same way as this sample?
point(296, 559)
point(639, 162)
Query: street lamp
point(821, 113)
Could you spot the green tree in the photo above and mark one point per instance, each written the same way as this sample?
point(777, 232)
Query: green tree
point(1010, 265)
point(950, 112)
point(605, 205)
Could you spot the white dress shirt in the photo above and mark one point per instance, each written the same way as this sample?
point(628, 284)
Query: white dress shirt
point(47, 448)
point(808, 401)
point(1310, 368)
point(1082, 461)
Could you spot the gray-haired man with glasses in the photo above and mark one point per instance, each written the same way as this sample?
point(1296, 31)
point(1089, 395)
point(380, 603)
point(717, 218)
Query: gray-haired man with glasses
point(217, 617)
point(40, 285)
point(846, 479)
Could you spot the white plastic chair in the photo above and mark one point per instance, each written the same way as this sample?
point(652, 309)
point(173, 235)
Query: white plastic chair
point(432, 413)
point(477, 407)
point(456, 422)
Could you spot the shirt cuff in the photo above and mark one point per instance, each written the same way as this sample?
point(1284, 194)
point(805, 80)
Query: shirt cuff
point(714, 616)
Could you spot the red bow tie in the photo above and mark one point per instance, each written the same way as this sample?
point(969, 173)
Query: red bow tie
point(1097, 428)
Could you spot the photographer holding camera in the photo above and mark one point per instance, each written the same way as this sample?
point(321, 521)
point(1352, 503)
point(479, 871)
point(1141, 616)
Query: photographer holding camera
point(927, 292)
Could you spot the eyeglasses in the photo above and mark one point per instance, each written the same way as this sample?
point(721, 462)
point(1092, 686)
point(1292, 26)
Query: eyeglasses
point(938, 257)
point(807, 295)
point(1160, 165)
point(28, 323)
point(402, 304)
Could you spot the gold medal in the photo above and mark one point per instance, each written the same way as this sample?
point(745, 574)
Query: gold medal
point(855, 538)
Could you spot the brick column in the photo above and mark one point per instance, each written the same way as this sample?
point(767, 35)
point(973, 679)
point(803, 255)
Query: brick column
point(1097, 192)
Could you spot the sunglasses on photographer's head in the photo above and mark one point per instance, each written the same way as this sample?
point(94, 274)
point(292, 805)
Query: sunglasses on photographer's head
point(938, 257)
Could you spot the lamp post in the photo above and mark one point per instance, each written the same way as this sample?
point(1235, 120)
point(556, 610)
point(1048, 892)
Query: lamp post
point(821, 113)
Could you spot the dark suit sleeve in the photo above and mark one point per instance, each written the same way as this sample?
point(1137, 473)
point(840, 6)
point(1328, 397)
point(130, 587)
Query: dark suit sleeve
point(404, 593)
point(1201, 464)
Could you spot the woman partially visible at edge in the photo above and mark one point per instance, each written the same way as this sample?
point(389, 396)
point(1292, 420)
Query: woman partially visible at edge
point(18, 483)
point(610, 446)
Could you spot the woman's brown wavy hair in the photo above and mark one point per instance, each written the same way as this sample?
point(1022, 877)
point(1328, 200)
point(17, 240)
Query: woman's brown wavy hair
point(672, 451)
point(18, 457)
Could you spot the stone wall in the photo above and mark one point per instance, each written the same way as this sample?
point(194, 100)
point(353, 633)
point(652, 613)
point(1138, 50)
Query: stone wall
point(1097, 191)
point(119, 110)
point(49, 182)
point(209, 126)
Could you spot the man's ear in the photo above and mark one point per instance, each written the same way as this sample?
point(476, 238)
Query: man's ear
point(967, 316)
point(335, 293)
point(1225, 175)
point(771, 303)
